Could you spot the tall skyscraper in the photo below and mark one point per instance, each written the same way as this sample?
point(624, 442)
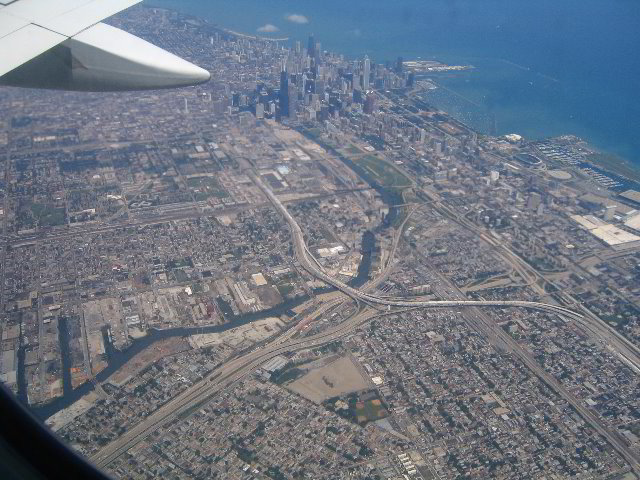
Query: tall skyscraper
point(399, 65)
point(366, 73)
point(293, 101)
point(369, 104)
point(609, 212)
point(284, 92)
point(259, 110)
point(311, 46)
point(534, 201)
point(411, 79)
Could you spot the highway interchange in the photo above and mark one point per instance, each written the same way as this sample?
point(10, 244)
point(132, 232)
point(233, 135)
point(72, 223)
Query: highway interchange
point(370, 307)
point(309, 263)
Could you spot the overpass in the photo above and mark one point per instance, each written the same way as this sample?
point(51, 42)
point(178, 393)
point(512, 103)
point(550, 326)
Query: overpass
point(232, 371)
point(310, 264)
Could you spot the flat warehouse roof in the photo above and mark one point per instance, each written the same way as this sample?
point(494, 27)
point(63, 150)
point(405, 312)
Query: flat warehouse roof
point(613, 235)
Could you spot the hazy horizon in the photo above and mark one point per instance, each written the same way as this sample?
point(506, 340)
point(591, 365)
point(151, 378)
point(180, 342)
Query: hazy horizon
point(584, 53)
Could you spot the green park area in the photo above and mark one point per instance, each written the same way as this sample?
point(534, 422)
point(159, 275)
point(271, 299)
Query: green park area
point(314, 132)
point(352, 150)
point(382, 172)
point(359, 407)
point(286, 284)
point(205, 187)
point(47, 215)
point(369, 411)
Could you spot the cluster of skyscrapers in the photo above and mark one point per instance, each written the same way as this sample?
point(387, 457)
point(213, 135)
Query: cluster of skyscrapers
point(317, 84)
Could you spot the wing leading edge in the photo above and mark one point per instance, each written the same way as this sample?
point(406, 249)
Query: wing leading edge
point(60, 45)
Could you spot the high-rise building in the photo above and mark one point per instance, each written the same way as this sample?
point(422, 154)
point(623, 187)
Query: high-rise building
point(609, 212)
point(311, 46)
point(534, 200)
point(399, 65)
point(366, 73)
point(344, 86)
point(298, 47)
point(311, 113)
point(293, 101)
point(411, 79)
point(284, 93)
point(369, 104)
point(259, 110)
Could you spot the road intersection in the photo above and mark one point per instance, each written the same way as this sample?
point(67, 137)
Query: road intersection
point(372, 306)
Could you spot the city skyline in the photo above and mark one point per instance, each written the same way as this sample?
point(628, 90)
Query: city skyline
point(303, 269)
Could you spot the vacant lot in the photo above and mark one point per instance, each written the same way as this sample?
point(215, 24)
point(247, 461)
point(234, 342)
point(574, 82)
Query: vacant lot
point(239, 336)
point(146, 357)
point(337, 378)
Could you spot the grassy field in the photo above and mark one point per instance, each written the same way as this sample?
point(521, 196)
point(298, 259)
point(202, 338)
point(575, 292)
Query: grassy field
point(206, 187)
point(284, 289)
point(382, 172)
point(315, 132)
point(400, 217)
point(47, 216)
point(369, 411)
point(352, 150)
point(359, 407)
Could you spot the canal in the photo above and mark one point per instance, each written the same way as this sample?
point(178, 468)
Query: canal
point(117, 358)
point(367, 249)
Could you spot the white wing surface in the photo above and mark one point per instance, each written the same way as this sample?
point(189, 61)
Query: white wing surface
point(61, 44)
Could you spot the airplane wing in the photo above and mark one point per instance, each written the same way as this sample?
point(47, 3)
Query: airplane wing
point(61, 44)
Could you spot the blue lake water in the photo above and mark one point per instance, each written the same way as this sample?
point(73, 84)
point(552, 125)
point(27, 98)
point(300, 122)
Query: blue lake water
point(544, 67)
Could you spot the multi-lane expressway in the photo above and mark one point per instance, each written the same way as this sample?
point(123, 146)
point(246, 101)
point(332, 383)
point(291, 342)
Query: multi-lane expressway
point(598, 330)
point(309, 264)
point(221, 378)
point(237, 368)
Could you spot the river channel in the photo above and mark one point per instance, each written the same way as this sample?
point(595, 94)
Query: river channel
point(117, 358)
